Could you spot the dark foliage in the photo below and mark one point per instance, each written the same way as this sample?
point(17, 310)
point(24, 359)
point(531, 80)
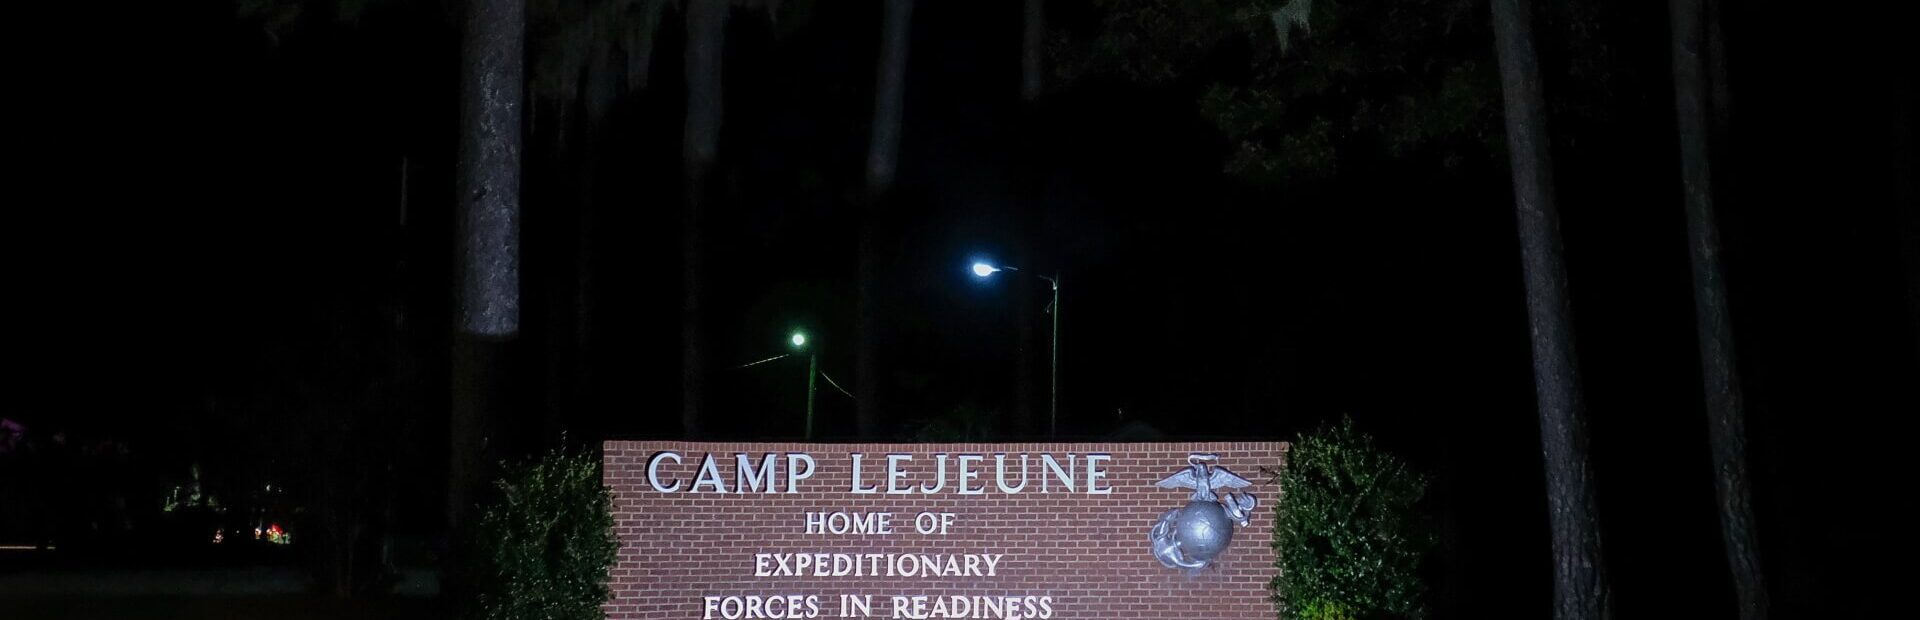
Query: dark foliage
point(1349, 530)
point(547, 544)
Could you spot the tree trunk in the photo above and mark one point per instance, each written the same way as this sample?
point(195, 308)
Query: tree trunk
point(1718, 99)
point(571, 177)
point(1907, 218)
point(1726, 411)
point(1032, 49)
point(1580, 576)
point(1026, 334)
point(581, 384)
point(866, 374)
point(706, 40)
point(883, 155)
point(1026, 220)
point(487, 298)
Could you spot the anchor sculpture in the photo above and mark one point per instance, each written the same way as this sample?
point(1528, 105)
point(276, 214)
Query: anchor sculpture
point(1191, 536)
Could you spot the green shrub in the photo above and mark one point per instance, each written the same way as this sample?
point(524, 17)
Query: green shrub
point(1323, 610)
point(546, 545)
point(1348, 534)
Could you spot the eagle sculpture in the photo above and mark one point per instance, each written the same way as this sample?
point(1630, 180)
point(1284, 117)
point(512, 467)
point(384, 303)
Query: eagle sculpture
point(1191, 536)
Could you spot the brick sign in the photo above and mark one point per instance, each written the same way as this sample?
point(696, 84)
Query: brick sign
point(1000, 531)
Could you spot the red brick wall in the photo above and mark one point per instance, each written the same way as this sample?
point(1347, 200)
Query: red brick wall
point(1088, 552)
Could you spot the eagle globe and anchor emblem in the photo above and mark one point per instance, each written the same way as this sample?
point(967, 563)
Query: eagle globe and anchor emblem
point(1191, 536)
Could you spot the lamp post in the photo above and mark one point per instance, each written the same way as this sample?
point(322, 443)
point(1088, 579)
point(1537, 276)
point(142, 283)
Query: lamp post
point(799, 341)
point(985, 270)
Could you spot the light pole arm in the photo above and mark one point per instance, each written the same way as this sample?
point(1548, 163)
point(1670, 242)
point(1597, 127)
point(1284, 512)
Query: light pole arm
point(1051, 280)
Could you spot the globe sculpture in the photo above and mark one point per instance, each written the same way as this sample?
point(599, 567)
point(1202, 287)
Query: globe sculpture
point(1191, 536)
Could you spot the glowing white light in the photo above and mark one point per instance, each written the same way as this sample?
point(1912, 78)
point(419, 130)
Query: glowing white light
point(799, 339)
point(983, 269)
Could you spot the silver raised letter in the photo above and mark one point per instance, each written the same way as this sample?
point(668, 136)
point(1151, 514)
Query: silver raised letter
point(857, 489)
point(794, 473)
point(1000, 473)
point(895, 475)
point(746, 477)
point(653, 471)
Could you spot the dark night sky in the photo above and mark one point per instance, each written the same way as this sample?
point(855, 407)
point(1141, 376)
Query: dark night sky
point(208, 214)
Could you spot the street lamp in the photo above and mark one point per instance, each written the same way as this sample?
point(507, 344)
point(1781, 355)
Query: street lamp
point(799, 341)
point(984, 270)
